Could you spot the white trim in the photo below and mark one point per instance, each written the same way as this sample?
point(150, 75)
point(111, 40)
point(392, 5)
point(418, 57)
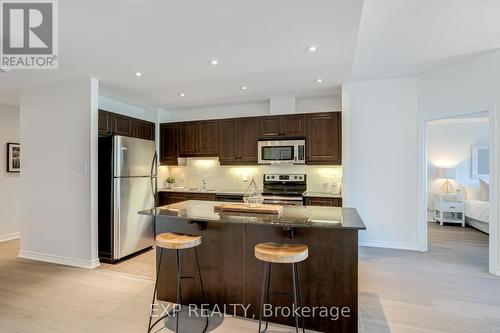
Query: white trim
point(54, 259)
point(494, 238)
point(388, 245)
point(422, 183)
point(422, 244)
point(8, 237)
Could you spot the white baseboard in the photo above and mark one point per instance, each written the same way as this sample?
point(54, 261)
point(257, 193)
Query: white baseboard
point(4, 238)
point(388, 245)
point(54, 259)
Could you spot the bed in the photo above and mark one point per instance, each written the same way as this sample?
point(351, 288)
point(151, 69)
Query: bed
point(477, 214)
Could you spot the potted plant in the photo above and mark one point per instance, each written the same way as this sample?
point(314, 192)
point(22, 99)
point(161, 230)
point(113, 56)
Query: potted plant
point(170, 182)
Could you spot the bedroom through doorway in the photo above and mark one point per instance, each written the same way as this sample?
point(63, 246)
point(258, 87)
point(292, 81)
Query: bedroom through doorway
point(458, 162)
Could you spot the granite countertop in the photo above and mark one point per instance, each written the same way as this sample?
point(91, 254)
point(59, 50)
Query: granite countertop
point(292, 216)
point(311, 194)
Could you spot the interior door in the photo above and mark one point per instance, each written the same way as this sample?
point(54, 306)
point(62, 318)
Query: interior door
point(133, 232)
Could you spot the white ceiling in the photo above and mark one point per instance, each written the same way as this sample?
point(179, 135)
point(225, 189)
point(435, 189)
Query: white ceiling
point(260, 44)
point(409, 37)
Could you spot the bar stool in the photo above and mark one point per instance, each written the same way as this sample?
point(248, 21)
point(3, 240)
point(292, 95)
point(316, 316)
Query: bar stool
point(177, 242)
point(272, 253)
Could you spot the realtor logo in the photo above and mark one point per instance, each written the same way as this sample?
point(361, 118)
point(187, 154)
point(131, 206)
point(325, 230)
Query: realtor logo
point(29, 34)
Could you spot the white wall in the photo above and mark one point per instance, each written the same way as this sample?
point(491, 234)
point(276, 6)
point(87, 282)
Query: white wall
point(9, 182)
point(381, 152)
point(116, 106)
point(449, 144)
point(469, 86)
point(249, 109)
point(59, 173)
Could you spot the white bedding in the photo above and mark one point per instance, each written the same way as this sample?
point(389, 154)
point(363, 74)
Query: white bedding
point(478, 210)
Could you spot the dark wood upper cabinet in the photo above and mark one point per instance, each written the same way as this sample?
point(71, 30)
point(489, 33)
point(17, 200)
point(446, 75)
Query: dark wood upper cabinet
point(294, 125)
point(198, 138)
point(208, 138)
point(286, 125)
point(122, 125)
point(248, 130)
point(238, 140)
point(144, 130)
point(324, 138)
point(187, 138)
point(169, 151)
point(235, 141)
point(104, 123)
point(116, 124)
point(227, 141)
point(271, 126)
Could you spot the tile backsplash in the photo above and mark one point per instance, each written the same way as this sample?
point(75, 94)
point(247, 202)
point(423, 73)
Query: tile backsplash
point(220, 177)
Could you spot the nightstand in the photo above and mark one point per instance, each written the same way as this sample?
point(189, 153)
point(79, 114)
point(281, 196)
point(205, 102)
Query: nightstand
point(448, 209)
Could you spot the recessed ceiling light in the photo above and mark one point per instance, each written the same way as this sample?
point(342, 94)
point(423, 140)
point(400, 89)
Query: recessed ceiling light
point(244, 88)
point(312, 48)
point(214, 62)
point(182, 94)
point(5, 69)
point(319, 80)
point(138, 74)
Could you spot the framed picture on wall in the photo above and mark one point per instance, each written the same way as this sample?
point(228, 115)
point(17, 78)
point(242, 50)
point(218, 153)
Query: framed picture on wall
point(13, 157)
point(480, 161)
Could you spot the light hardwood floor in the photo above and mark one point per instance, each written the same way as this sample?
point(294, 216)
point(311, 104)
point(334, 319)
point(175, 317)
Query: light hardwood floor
point(445, 290)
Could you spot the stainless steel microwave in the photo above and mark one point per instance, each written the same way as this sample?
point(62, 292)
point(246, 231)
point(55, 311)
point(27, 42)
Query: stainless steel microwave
point(282, 151)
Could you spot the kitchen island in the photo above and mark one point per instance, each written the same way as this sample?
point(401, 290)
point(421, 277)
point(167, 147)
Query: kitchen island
point(232, 275)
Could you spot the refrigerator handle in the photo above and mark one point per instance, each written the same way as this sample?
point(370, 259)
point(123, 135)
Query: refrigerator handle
point(154, 179)
point(154, 165)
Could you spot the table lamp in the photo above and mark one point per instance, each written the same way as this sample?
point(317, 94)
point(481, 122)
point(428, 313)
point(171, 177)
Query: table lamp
point(447, 174)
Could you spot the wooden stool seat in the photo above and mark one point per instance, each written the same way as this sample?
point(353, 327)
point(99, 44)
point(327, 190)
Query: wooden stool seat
point(281, 253)
point(174, 241)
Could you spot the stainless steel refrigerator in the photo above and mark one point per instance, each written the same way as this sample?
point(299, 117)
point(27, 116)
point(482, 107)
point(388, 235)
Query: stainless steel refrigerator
point(127, 185)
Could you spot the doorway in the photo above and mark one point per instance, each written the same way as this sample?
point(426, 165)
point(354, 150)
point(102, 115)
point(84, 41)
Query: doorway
point(457, 188)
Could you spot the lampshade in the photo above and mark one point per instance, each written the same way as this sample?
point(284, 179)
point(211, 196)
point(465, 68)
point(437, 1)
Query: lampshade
point(447, 173)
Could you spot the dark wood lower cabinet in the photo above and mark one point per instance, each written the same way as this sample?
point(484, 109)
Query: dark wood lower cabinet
point(168, 198)
point(232, 275)
point(322, 201)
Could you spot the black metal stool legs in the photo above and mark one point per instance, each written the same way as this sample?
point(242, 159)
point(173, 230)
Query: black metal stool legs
point(297, 301)
point(297, 278)
point(266, 280)
point(203, 295)
point(150, 327)
point(179, 290)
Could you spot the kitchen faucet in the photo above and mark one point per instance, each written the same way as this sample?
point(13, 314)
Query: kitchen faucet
point(204, 187)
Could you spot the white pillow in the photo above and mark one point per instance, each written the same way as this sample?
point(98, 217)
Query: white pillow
point(484, 190)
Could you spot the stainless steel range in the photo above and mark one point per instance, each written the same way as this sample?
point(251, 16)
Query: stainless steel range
point(284, 189)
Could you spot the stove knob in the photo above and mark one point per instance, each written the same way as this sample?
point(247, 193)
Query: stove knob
point(295, 177)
